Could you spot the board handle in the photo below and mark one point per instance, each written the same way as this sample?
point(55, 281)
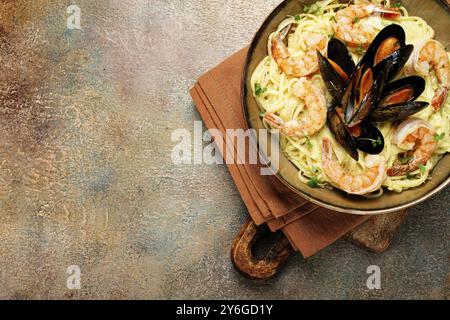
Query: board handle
point(244, 260)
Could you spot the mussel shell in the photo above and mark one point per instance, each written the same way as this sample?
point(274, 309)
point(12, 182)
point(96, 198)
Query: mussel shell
point(333, 81)
point(369, 131)
point(394, 62)
point(341, 133)
point(397, 112)
point(416, 83)
point(393, 30)
point(355, 112)
point(338, 52)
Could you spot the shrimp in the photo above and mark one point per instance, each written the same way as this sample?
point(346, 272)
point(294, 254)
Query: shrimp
point(301, 66)
point(315, 104)
point(414, 135)
point(369, 181)
point(432, 55)
point(348, 28)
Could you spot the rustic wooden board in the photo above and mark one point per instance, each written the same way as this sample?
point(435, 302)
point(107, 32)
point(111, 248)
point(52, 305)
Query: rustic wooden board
point(374, 235)
point(377, 233)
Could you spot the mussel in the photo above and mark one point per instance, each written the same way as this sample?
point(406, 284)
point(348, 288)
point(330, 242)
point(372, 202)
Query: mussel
point(388, 40)
point(363, 93)
point(397, 100)
point(388, 49)
point(394, 62)
point(334, 82)
point(336, 69)
point(365, 136)
point(340, 58)
point(368, 138)
point(384, 58)
point(403, 90)
point(398, 112)
point(341, 132)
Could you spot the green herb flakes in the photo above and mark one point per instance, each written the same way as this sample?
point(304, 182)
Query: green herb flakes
point(422, 168)
point(313, 182)
point(375, 143)
point(315, 169)
point(309, 143)
point(259, 90)
point(439, 137)
point(313, 9)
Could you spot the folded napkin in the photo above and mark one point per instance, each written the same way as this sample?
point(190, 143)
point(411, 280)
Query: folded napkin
point(308, 227)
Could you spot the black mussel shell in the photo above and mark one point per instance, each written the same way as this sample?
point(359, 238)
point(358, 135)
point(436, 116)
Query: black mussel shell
point(402, 91)
point(397, 112)
point(361, 102)
point(370, 139)
point(395, 62)
point(347, 99)
point(333, 81)
point(393, 31)
point(339, 54)
point(341, 133)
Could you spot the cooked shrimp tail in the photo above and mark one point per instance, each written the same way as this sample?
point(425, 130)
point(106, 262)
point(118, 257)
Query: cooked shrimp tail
point(310, 123)
point(301, 66)
point(417, 137)
point(440, 96)
point(349, 29)
point(360, 184)
point(431, 55)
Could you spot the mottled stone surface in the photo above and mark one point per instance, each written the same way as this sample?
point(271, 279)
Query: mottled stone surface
point(86, 177)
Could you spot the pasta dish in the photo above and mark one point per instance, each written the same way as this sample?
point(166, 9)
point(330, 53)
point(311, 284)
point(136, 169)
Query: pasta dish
point(358, 93)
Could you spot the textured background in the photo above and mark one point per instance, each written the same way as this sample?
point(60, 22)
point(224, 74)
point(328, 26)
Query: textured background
point(86, 178)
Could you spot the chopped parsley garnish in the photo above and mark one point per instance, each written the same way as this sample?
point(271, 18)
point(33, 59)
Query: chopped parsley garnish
point(333, 18)
point(356, 20)
point(297, 17)
point(313, 9)
point(315, 170)
point(375, 143)
point(306, 8)
point(378, 142)
point(422, 168)
point(397, 5)
point(439, 137)
point(313, 182)
point(309, 143)
point(259, 90)
point(262, 113)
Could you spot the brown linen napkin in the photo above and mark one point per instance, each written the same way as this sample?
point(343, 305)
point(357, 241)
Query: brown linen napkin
point(309, 228)
point(253, 198)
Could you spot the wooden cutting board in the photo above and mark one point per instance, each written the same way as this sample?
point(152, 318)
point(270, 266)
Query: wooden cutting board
point(374, 235)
